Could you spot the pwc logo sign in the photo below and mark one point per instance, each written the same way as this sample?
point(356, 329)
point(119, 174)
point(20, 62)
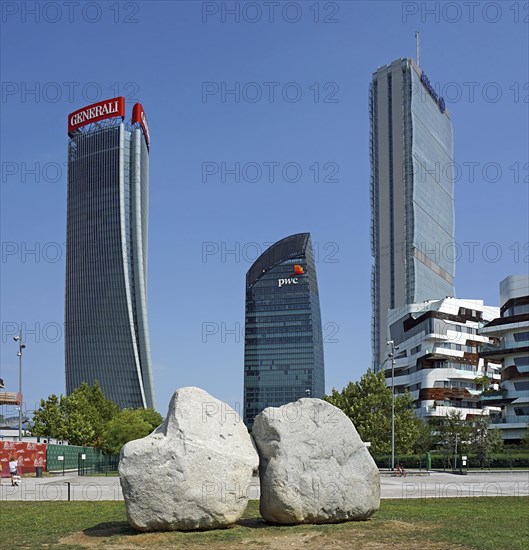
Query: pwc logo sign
point(292, 279)
point(108, 108)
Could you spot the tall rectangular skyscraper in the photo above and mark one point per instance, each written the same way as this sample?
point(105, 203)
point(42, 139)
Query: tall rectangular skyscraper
point(412, 195)
point(283, 344)
point(106, 332)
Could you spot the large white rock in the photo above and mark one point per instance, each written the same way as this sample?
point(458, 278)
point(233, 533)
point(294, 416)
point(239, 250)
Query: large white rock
point(314, 468)
point(193, 472)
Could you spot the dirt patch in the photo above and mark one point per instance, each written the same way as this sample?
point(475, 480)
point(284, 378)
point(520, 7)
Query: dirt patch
point(400, 526)
point(387, 535)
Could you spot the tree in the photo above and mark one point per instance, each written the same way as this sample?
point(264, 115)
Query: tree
point(87, 418)
point(524, 442)
point(482, 382)
point(454, 434)
point(368, 404)
point(80, 417)
point(152, 417)
point(483, 440)
point(426, 438)
point(48, 420)
point(78, 428)
point(127, 425)
point(87, 412)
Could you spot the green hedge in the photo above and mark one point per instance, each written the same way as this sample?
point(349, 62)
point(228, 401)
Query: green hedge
point(408, 461)
point(513, 459)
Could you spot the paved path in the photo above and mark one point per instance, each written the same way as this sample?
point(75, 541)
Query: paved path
point(439, 485)
point(56, 488)
point(435, 485)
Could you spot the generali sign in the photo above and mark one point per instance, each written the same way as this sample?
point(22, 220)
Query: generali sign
point(108, 108)
point(138, 115)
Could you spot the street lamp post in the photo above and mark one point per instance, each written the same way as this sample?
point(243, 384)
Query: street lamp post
point(21, 346)
point(392, 355)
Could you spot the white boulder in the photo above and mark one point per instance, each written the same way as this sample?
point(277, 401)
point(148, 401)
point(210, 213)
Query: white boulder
point(314, 468)
point(193, 472)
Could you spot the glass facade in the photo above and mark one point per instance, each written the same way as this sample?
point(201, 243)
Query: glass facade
point(432, 198)
point(412, 196)
point(106, 332)
point(283, 343)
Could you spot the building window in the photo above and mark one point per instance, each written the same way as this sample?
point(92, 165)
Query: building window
point(517, 310)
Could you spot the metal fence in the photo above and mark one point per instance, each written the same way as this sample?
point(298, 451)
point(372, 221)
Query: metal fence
point(86, 460)
point(105, 465)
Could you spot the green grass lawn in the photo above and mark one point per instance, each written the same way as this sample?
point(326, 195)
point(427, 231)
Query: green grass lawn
point(499, 522)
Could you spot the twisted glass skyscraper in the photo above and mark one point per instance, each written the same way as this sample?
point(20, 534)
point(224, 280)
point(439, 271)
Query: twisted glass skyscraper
point(283, 346)
point(106, 332)
point(412, 195)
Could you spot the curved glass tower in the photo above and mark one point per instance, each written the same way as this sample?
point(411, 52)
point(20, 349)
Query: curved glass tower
point(106, 332)
point(283, 345)
point(412, 195)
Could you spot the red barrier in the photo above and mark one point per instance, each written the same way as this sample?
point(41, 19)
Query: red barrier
point(28, 456)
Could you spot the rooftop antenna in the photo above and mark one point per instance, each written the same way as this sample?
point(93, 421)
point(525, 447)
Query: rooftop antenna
point(418, 53)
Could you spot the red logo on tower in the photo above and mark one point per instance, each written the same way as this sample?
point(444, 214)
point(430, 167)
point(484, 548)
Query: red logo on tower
point(138, 115)
point(108, 108)
point(298, 270)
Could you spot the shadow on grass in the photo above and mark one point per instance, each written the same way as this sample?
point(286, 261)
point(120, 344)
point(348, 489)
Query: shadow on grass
point(111, 528)
point(254, 523)
point(118, 528)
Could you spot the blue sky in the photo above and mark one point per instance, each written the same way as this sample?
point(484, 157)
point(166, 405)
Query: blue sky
point(178, 58)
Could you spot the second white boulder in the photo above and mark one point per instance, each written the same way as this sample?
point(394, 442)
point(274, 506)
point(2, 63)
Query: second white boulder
point(314, 468)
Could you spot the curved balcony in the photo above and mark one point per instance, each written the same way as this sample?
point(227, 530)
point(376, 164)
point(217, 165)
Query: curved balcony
point(10, 398)
point(503, 348)
point(511, 419)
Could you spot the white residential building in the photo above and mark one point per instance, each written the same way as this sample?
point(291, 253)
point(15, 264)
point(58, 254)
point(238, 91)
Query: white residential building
point(436, 355)
point(510, 345)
